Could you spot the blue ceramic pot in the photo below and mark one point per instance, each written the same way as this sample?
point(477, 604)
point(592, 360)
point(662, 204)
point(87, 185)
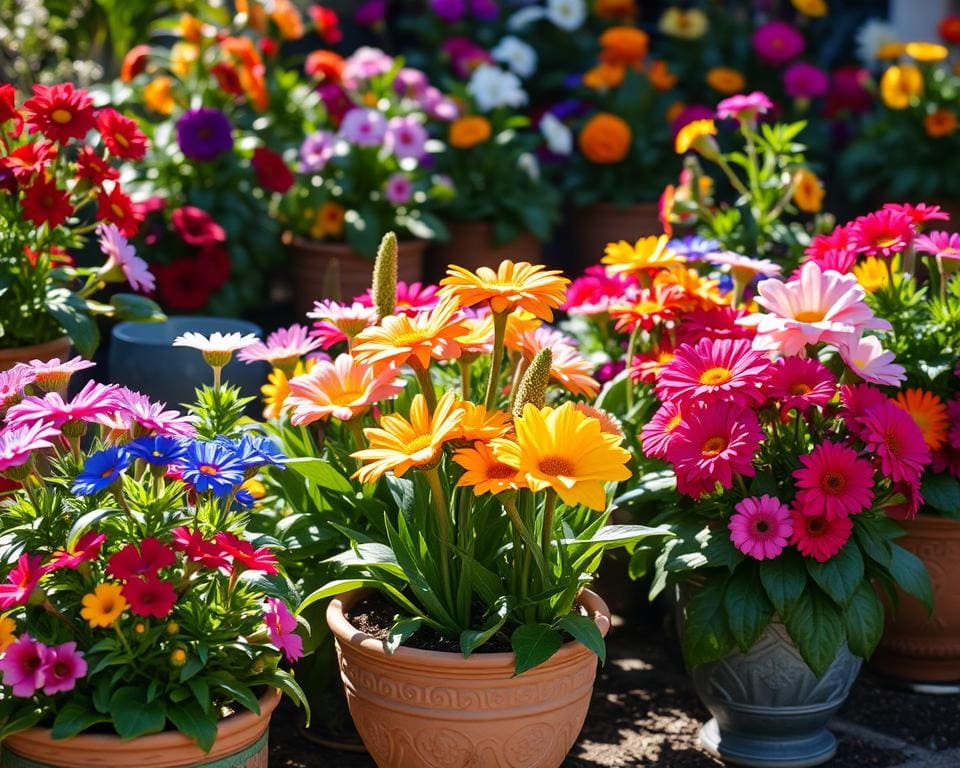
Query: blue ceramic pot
point(143, 358)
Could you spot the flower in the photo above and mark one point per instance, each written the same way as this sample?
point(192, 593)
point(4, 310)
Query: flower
point(802, 80)
point(657, 433)
point(272, 172)
point(158, 450)
point(713, 444)
point(928, 412)
point(21, 580)
point(927, 52)
point(469, 131)
point(245, 556)
point(84, 550)
point(254, 450)
point(363, 127)
point(204, 133)
point(605, 139)
point(150, 597)
point(478, 424)
point(892, 434)
point(199, 550)
point(565, 450)
point(819, 537)
point(103, 606)
point(340, 322)
point(921, 213)
point(697, 135)
point(648, 307)
point(44, 203)
point(179, 287)
point(492, 87)
point(484, 473)
point(689, 24)
point(715, 369)
point(834, 481)
point(801, 382)
point(743, 268)
point(316, 151)
point(196, 227)
point(939, 244)
point(212, 466)
point(343, 389)
point(516, 54)
point(121, 135)
point(450, 11)
point(940, 123)
point(101, 470)
point(836, 251)
point(647, 256)
point(115, 206)
point(777, 42)
point(18, 443)
point(399, 189)
point(148, 559)
point(52, 375)
point(812, 8)
point(59, 112)
point(872, 37)
point(24, 666)
point(725, 80)
point(558, 136)
point(218, 348)
point(760, 527)
point(900, 84)
point(867, 358)
point(744, 107)
point(283, 348)
point(595, 292)
point(281, 626)
point(150, 417)
point(399, 444)
point(90, 402)
point(623, 45)
point(93, 167)
point(63, 666)
point(406, 137)
point(872, 273)
point(120, 253)
point(567, 365)
point(7, 629)
point(514, 285)
point(400, 339)
point(808, 192)
point(566, 14)
point(158, 95)
point(882, 233)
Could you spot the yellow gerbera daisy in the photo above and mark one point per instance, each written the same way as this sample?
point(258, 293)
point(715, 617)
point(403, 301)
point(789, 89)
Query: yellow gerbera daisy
point(399, 444)
point(929, 413)
point(900, 84)
point(277, 389)
point(565, 450)
point(697, 135)
point(484, 472)
point(7, 628)
point(103, 606)
point(872, 274)
point(647, 256)
point(478, 424)
point(702, 291)
point(478, 340)
point(515, 284)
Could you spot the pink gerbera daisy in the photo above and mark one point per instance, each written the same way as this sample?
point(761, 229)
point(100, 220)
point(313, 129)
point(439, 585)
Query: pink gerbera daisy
point(760, 527)
point(820, 537)
point(912, 500)
point(715, 369)
point(721, 322)
point(136, 412)
point(90, 402)
point(13, 382)
point(920, 213)
point(412, 298)
point(801, 382)
point(743, 268)
point(596, 291)
point(942, 245)
point(656, 433)
point(867, 358)
point(567, 365)
point(834, 481)
point(894, 436)
point(340, 322)
point(342, 389)
point(18, 443)
point(283, 348)
point(883, 233)
point(54, 375)
point(858, 398)
point(712, 445)
point(744, 106)
point(836, 251)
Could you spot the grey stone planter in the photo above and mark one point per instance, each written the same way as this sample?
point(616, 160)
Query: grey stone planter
point(769, 710)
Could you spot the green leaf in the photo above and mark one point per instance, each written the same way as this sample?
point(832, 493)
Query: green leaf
point(340, 586)
point(133, 715)
point(320, 472)
point(839, 576)
point(863, 620)
point(747, 606)
point(74, 718)
point(706, 635)
point(191, 666)
point(201, 692)
point(942, 492)
point(533, 644)
point(585, 631)
point(129, 306)
point(192, 721)
point(784, 578)
point(873, 543)
point(815, 625)
point(81, 328)
point(911, 574)
point(471, 639)
point(401, 630)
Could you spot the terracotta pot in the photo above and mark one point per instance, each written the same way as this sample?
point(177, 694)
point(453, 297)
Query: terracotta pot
point(471, 245)
point(596, 225)
point(917, 647)
point(311, 260)
point(427, 709)
point(241, 743)
point(48, 350)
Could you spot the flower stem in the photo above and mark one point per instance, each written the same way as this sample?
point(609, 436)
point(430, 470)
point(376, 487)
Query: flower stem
point(499, 332)
point(443, 530)
point(546, 535)
point(426, 385)
point(631, 351)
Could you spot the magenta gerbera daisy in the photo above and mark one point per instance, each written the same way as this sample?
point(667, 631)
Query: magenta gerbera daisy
point(720, 322)
point(17, 444)
point(657, 432)
point(54, 375)
point(836, 251)
point(942, 245)
point(760, 527)
point(283, 348)
point(819, 537)
point(801, 382)
point(834, 481)
point(920, 213)
point(894, 436)
point(412, 298)
point(90, 402)
point(883, 233)
point(715, 369)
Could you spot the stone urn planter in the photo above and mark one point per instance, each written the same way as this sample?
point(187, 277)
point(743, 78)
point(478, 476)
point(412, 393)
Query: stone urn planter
point(918, 648)
point(319, 269)
point(241, 743)
point(768, 707)
point(471, 245)
point(48, 350)
point(429, 709)
point(596, 225)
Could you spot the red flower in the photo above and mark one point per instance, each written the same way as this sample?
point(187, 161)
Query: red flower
point(245, 556)
point(59, 112)
point(134, 62)
point(85, 549)
point(268, 46)
point(198, 549)
point(213, 266)
point(196, 227)
point(116, 207)
point(20, 581)
point(29, 159)
point(227, 78)
point(178, 286)
point(272, 173)
point(129, 562)
point(93, 168)
point(324, 66)
point(43, 203)
point(150, 597)
point(326, 23)
point(8, 107)
point(122, 135)
point(949, 29)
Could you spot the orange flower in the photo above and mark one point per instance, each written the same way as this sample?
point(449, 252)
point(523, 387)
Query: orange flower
point(190, 28)
point(697, 135)
point(401, 339)
point(342, 389)
point(605, 139)
point(256, 16)
point(134, 62)
point(624, 45)
point(469, 131)
point(519, 323)
point(940, 123)
point(287, 18)
point(478, 340)
point(478, 424)
point(674, 110)
point(514, 285)
point(647, 256)
point(650, 307)
point(616, 9)
point(485, 473)
point(700, 291)
point(726, 80)
point(567, 365)
point(246, 58)
point(324, 66)
point(807, 191)
point(661, 77)
point(900, 84)
point(604, 76)
point(329, 221)
point(926, 52)
point(890, 51)
point(157, 95)
point(929, 413)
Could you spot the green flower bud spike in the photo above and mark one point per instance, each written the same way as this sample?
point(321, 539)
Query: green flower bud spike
point(533, 385)
point(385, 276)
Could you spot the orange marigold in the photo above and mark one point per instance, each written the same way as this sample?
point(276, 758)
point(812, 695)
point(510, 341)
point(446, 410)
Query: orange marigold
point(624, 45)
point(469, 131)
point(726, 80)
point(940, 123)
point(605, 139)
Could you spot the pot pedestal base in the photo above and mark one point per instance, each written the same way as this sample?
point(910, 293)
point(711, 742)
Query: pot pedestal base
point(774, 752)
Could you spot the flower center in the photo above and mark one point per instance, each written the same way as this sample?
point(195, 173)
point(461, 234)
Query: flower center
point(886, 242)
point(809, 316)
point(106, 473)
point(500, 471)
point(107, 606)
point(714, 377)
point(418, 444)
point(800, 388)
point(556, 466)
point(121, 140)
point(761, 526)
point(61, 116)
point(672, 424)
point(815, 525)
point(833, 483)
point(208, 469)
point(117, 210)
point(714, 446)
point(347, 397)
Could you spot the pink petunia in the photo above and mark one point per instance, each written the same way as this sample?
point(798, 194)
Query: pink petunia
point(24, 666)
point(801, 382)
point(744, 106)
point(819, 537)
point(63, 666)
point(282, 626)
point(892, 434)
point(834, 481)
point(760, 527)
point(20, 581)
point(85, 549)
point(715, 370)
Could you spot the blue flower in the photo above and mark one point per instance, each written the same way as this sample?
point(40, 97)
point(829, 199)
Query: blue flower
point(101, 470)
point(694, 247)
point(212, 466)
point(243, 500)
point(160, 450)
point(254, 451)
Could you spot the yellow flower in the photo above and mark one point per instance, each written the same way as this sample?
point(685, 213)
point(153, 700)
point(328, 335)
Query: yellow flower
point(872, 274)
point(926, 52)
point(277, 389)
point(254, 487)
point(514, 285)
point(807, 191)
point(399, 444)
point(484, 472)
point(104, 605)
point(647, 256)
point(814, 8)
point(190, 28)
point(519, 324)
point(701, 291)
point(687, 25)
point(178, 657)
point(697, 135)
point(7, 628)
point(940, 123)
point(900, 84)
point(565, 450)
point(478, 340)
point(725, 80)
point(929, 413)
point(182, 57)
point(477, 424)
point(329, 221)
point(157, 95)
point(890, 51)
point(469, 131)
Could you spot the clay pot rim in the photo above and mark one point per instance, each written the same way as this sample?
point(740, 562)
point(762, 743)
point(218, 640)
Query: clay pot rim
point(928, 520)
point(289, 238)
point(345, 632)
point(236, 723)
point(34, 350)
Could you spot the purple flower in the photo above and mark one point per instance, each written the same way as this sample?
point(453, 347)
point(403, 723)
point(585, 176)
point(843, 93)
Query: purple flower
point(282, 628)
point(484, 10)
point(451, 11)
point(370, 13)
point(744, 106)
point(316, 151)
point(406, 137)
point(23, 665)
point(399, 189)
point(204, 133)
point(438, 106)
point(364, 64)
point(805, 81)
point(410, 82)
point(777, 43)
point(363, 127)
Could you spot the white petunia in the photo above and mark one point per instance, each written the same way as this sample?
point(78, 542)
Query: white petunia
point(567, 14)
point(558, 136)
point(491, 87)
point(517, 55)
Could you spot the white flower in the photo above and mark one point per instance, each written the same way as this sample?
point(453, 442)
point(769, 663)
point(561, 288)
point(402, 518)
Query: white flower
point(529, 165)
point(525, 17)
point(218, 349)
point(871, 37)
point(567, 14)
point(517, 55)
point(558, 136)
point(491, 87)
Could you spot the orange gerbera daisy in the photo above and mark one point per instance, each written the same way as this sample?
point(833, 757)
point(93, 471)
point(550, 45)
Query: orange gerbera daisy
point(401, 339)
point(478, 340)
point(399, 444)
point(519, 323)
point(647, 256)
point(515, 284)
point(484, 472)
point(929, 413)
point(650, 307)
point(700, 290)
point(478, 424)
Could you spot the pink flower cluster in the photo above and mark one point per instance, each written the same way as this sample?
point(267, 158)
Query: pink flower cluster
point(29, 666)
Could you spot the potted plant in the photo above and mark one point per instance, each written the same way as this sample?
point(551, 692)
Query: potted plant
point(136, 605)
point(58, 186)
point(786, 482)
point(365, 170)
point(474, 615)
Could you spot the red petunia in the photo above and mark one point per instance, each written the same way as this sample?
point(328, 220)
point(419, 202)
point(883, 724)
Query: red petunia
point(245, 556)
point(60, 112)
point(93, 168)
point(150, 597)
point(196, 227)
point(272, 173)
point(122, 135)
point(198, 549)
point(44, 203)
point(115, 206)
point(178, 286)
point(130, 562)
point(326, 23)
point(8, 108)
point(213, 266)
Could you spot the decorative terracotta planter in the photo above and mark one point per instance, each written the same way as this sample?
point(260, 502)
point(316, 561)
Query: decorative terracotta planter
point(47, 351)
point(917, 647)
point(596, 225)
point(426, 709)
point(471, 245)
point(315, 265)
point(241, 743)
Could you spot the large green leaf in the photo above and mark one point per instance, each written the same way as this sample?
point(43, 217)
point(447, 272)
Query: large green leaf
point(784, 579)
point(133, 715)
point(585, 631)
point(911, 574)
point(191, 720)
point(748, 608)
point(942, 492)
point(74, 718)
point(533, 644)
point(839, 576)
point(320, 472)
point(863, 620)
point(471, 639)
point(706, 635)
point(401, 630)
point(815, 625)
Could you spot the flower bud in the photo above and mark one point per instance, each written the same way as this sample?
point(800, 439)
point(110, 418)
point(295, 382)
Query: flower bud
point(385, 276)
point(178, 657)
point(533, 386)
point(139, 628)
point(172, 627)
